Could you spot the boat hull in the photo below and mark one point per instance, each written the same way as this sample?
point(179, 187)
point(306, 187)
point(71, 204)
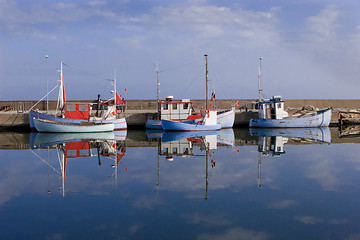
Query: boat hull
point(321, 134)
point(154, 124)
point(318, 119)
point(59, 127)
point(183, 127)
point(225, 119)
point(119, 123)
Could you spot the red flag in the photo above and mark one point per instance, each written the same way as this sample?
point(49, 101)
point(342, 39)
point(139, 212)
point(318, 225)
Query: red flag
point(125, 90)
point(118, 99)
point(237, 103)
point(63, 85)
point(118, 158)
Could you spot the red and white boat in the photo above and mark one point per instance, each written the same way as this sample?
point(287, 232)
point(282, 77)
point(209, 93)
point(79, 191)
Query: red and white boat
point(76, 113)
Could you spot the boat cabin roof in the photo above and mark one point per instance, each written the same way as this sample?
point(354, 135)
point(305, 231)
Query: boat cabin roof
point(177, 101)
point(274, 99)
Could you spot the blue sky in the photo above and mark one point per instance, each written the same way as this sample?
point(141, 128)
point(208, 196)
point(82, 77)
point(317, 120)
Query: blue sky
point(310, 48)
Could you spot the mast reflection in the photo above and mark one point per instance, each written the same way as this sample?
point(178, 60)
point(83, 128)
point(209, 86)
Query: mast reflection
point(173, 145)
point(108, 145)
point(271, 142)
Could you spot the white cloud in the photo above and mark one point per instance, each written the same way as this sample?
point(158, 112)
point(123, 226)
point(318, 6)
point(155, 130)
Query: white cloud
point(308, 219)
point(235, 233)
point(283, 204)
point(207, 220)
point(96, 3)
point(326, 22)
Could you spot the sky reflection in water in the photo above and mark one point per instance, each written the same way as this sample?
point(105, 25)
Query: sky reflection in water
point(309, 192)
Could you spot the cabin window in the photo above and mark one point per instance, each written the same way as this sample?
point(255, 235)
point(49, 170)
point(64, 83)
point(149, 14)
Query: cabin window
point(186, 151)
point(70, 107)
point(83, 107)
point(165, 106)
point(279, 105)
point(186, 105)
point(174, 150)
point(166, 150)
point(84, 152)
point(279, 149)
point(175, 106)
point(71, 153)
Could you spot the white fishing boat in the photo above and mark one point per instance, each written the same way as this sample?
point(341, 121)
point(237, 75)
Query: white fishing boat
point(208, 121)
point(70, 112)
point(43, 125)
point(182, 110)
point(273, 115)
point(175, 110)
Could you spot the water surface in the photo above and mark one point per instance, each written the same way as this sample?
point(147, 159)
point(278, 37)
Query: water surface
point(198, 187)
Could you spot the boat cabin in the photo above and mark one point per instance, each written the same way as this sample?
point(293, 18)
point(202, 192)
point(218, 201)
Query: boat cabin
point(273, 145)
point(77, 110)
point(175, 109)
point(183, 148)
point(272, 108)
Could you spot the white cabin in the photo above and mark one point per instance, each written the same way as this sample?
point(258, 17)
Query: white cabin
point(272, 109)
point(178, 148)
point(211, 117)
point(175, 109)
point(273, 145)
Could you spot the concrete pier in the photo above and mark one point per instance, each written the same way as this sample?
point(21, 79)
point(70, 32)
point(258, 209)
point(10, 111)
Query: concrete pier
point(138, 111)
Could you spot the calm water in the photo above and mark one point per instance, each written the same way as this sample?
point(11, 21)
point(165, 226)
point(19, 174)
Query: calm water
point(218, 187)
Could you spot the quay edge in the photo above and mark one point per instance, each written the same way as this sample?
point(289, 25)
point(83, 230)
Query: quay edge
point(138, 111)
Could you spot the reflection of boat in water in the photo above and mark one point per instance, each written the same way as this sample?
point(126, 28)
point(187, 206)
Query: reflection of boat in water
point(227, 137)
point(176, 136)
point(70, 146)
point(317, 134)
point(272, 141)
point(186, 144)
point(182, 143)
point(154, 133)
point(40, 140)
point(223, 136)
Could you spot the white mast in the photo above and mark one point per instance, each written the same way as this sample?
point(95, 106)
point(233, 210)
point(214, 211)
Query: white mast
point(206, 101)
point(61, 98)
point(157, 89)
point(115, 87)
point(259, 78)
point(47, 89)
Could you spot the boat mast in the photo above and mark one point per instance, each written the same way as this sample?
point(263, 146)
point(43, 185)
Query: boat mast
point(115, 88)
point(259, 78)
point(47, 90)
point(206, 102)
point(157, 90)
point(60, 102)
point(207, 149)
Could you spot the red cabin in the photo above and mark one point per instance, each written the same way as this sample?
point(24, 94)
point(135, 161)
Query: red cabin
point(77, 110)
